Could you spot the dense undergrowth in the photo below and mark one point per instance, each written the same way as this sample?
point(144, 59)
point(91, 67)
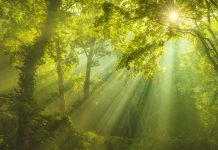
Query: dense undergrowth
point(57, 132)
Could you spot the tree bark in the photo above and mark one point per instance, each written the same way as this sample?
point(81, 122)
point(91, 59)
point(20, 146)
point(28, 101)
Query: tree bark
point(86, 87)
point(25, 104)
point(213, 36)
point(60, 79)
point(208, 50)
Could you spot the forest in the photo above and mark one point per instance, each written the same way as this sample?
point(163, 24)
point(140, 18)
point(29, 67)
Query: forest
point(108, 74)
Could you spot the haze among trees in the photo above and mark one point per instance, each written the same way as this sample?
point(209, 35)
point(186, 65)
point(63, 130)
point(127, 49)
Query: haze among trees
point(108, 74)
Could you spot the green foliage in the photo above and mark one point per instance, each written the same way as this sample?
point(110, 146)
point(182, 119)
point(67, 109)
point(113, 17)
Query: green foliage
point(156, 142)
point(56, 32)
point(7, 130)
point(150, 26)
point(64, 135)
point(45, 133)
point(118, 143)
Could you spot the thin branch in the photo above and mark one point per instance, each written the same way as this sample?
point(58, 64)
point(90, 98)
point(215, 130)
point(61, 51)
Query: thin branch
point(214, 3)
point(208, 12)
point(86, 52)
point(51, 53)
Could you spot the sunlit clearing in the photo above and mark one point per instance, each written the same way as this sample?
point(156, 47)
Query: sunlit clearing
point(173, 16)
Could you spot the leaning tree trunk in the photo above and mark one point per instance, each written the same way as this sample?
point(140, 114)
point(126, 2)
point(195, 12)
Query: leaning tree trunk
point(208, 50)
point(86, 87)
point(60, 80)
point(25, 102)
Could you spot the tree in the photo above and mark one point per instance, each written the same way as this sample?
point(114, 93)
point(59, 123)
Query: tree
point(62, 51)
point(202, 85)
point(89, 41)
point(139, 30)
point(65, 58)
point(144, 21)
point(33, 54)
point(93, 49)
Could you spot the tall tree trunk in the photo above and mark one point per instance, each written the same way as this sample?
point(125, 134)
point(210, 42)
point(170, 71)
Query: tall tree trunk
point(86, 87)
point(60, 79)
point(25, 104)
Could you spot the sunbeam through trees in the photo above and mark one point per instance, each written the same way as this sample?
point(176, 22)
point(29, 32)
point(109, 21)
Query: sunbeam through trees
point(108, 74)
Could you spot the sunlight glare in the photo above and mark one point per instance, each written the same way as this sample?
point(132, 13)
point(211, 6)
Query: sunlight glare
point(173, 16)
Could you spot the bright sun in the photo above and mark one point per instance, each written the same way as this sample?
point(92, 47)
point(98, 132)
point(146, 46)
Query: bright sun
point(173, 16)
